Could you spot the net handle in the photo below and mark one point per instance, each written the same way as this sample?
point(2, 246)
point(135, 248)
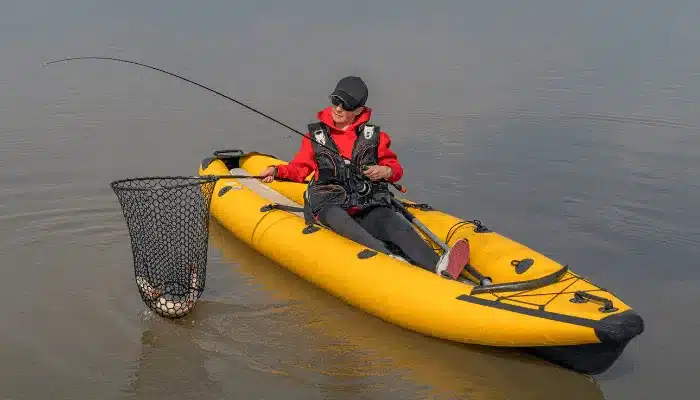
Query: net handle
point(198, 180)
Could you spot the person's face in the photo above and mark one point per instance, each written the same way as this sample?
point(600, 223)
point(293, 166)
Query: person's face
point(340, 114)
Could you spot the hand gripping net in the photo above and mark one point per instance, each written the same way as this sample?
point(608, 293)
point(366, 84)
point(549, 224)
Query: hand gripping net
point(168, 222)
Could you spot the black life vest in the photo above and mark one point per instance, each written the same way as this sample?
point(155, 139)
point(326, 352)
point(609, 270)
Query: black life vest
point(337, 183)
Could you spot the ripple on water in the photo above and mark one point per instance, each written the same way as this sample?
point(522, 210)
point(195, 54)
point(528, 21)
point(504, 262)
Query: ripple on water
point(98, 224)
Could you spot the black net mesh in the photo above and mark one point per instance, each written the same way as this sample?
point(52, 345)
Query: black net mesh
point(168, 222)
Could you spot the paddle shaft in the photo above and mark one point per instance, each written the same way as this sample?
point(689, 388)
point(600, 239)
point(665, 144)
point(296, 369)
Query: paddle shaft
point(243, 177)
point(412, 219)
point(237, 176)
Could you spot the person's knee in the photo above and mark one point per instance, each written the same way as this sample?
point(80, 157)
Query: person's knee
point(385, 219)
point(331, 213)
point(383, 213)
point(394, 221)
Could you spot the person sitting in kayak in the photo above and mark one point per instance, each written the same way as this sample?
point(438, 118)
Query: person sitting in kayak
point(335, 195)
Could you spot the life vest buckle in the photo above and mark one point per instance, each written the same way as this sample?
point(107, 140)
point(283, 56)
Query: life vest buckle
point(320, 136)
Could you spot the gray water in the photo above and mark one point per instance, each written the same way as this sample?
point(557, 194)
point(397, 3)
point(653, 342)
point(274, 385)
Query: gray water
point(571, 127)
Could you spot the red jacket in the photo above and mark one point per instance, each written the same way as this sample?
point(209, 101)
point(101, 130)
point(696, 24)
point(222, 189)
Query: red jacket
point(304, 161)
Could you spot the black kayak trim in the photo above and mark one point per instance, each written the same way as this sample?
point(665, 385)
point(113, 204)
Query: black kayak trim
point(614, 328)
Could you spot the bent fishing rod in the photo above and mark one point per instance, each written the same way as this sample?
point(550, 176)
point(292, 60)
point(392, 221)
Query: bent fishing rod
point(396, 185)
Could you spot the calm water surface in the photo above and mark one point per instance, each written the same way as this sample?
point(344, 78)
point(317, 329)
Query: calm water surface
point(568, 126)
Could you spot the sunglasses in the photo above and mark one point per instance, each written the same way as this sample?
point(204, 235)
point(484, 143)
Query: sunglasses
point(338, 101)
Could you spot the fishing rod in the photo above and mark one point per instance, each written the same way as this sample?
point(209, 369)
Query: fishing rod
point(396, 185)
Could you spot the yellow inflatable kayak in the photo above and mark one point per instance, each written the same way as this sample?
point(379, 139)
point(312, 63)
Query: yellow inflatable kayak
point(533, 303)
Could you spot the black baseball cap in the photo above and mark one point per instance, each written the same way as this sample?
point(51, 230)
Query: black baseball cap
point(352, 91)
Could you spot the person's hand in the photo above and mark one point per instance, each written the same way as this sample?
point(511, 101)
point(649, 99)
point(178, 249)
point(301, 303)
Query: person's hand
point(378, 172)
point(268, 174)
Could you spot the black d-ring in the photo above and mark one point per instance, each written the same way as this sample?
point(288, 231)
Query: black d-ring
point(522, 265)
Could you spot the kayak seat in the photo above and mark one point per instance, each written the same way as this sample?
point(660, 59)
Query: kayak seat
point(280, 202)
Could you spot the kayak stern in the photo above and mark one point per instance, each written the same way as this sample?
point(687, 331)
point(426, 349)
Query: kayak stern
point(615, 332)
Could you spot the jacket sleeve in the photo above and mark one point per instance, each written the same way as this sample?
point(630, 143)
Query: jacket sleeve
point(389, 158)
point(301, 165)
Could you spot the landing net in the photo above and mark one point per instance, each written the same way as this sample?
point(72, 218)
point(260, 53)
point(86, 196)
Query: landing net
point(168, 223)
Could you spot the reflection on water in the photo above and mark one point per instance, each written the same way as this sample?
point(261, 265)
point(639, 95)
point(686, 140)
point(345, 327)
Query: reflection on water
point(305, 337)
point(171, 364)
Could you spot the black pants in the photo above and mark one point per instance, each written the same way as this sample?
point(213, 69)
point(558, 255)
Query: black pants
point(377, 225)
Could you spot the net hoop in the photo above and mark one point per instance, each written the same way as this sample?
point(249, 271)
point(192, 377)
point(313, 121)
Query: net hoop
point(128, 184)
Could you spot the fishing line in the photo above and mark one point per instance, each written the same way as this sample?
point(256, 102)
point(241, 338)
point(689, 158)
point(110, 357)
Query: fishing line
point(397, 186)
